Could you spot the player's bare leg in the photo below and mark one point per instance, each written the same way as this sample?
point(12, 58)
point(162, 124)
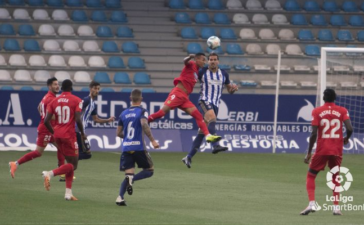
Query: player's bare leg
point(163, 111)
point(202, 125)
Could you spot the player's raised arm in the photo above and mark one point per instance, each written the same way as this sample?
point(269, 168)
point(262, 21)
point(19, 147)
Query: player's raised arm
point(312, 142)
point(148, 132)
point(188, 58)
point(349, 130)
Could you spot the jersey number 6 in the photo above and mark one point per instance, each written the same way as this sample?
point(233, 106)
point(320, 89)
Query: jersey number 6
point(131, 131)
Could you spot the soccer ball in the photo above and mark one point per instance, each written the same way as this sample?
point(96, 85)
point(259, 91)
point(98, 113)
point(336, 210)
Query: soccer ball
point(213, 42)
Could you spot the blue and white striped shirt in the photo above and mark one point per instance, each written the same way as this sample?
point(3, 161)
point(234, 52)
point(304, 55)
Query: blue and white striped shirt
point(212, 84)
point(88, 109)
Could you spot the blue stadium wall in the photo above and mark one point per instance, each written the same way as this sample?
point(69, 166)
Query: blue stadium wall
point(244, 121)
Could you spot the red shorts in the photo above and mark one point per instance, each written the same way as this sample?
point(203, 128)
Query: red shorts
point(178, 99)
point(44, 138)
point(319, 162)
point(67, 146)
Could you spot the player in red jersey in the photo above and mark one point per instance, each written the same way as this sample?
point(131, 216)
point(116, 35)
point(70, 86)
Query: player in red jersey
point(67, 110)
point(178, 97)
point(327, 129)
point(44, 136)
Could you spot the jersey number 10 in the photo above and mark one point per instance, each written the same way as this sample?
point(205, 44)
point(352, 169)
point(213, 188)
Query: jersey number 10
point(335, 124)
point(63, 114)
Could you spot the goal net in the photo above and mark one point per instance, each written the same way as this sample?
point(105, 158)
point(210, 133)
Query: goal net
point(342, 69)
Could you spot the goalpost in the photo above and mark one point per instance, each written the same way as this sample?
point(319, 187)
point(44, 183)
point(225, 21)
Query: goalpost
point(342, 69)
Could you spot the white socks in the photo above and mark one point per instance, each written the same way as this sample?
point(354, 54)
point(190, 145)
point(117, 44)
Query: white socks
point(68, 192)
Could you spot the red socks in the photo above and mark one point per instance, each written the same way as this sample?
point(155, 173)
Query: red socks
point(156, 115)
point(64, 169)
point(200, 122)
point(310, 186)
point(29, 156)
point(69, 179)
point(60, 158)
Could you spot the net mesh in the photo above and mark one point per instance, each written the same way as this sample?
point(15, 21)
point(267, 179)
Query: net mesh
point(345, 75)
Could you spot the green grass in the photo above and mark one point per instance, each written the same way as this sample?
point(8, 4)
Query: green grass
point(219, 189)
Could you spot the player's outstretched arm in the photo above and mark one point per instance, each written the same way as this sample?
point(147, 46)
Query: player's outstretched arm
point(80, 125)
point(97, 119)
point(47, 122)
point(148, 132)
point(119, 132)
point(188, 58)
point(349, 130)
point(312, 142)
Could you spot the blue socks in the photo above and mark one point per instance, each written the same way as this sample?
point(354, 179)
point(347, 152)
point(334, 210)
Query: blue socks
point(212, 128)
point(123, 186)
point(196, 145)
point(142, 175)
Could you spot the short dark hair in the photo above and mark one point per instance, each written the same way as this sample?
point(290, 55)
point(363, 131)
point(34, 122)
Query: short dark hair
point(213, 54)
point(135, 95)
point(93, 84)
point(51, 80)
point(200, 54)
point(67, 85)
point(329, 95)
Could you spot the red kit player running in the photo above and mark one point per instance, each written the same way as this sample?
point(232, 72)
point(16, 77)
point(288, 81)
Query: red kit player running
point(327, 129)
point(67, 110)
point(178, 97)
point(44, 136)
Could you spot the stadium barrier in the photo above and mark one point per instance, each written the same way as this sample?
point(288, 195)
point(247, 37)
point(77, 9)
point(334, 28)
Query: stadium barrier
point(244, 121)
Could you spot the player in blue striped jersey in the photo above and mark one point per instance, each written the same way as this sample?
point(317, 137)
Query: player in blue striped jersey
point(212, 82)
point(89, 109)
point(132, 126)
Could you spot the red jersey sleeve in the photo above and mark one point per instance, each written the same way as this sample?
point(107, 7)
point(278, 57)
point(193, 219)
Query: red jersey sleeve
point(79, 105)
point(315, 118)
point(345, 114)
point(50, 107)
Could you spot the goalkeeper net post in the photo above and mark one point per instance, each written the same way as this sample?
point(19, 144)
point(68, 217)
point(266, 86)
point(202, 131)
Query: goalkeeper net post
point(276, 103)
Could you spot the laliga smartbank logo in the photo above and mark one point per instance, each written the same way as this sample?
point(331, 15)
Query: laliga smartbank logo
point(339, 179)
point(339, 184)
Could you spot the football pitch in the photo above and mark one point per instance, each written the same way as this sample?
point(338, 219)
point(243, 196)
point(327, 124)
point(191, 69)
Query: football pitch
point(226, 188)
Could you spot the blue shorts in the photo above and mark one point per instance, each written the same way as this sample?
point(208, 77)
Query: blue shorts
point(141, 158)
point(205, 106)
point(81, 148)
